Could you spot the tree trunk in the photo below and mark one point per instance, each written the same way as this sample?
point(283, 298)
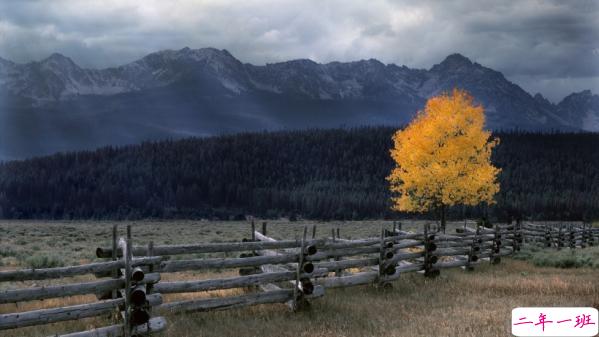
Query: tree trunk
point(443, 220)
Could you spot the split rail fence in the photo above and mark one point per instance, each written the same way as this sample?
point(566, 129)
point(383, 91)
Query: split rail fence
point(121, 292)
point(292, 272)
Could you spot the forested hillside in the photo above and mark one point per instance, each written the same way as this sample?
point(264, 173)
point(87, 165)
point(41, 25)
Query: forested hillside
point(318, 174)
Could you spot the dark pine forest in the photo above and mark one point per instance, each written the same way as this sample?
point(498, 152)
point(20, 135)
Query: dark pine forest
point(315, 174)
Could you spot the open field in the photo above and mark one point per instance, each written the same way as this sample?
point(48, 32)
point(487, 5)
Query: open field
point(25, 243)
point(458, 303)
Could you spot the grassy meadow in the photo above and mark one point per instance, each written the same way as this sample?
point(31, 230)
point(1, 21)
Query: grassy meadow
point(458, 303)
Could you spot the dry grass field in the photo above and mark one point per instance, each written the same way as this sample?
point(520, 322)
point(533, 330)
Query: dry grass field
point(458, 303)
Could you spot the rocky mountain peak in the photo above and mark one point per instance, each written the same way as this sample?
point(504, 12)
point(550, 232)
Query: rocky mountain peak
point(586, 93)
point(580, 97)
point(541, 99)
point(57, 60)
point(582, 108)
point(302, 63)
point(210, 72)
point(186, 55)
point(204, 54)
point(453, 62)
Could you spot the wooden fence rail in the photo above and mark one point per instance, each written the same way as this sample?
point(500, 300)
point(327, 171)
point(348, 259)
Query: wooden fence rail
point(124, 292)
point(292, 272)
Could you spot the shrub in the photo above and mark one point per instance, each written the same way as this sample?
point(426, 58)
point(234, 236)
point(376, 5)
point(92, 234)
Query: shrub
point(44, 261)
point(7, 251)
point(565, 258)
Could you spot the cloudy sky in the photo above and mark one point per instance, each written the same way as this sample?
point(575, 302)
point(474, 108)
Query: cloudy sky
point(550, 47)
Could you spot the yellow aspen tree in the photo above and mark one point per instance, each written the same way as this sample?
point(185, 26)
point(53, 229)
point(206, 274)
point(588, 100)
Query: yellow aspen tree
point(443, 157)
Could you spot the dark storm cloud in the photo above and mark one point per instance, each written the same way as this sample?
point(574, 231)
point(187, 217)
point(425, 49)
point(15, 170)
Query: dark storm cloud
point(546, 46)
point(542, 39)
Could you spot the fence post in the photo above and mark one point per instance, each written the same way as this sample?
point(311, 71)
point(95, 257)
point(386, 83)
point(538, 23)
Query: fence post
point(472, 254)
point(251, 270)
point(127, 256)
point(516, 239)
point(298, 298)
point(496, 247)
point(429, 258)
point(150, 286)
point(150, 267)
point(493, 248)
point(115, 271)
point(520, 233)
point(381, 256)
point(298, 270)
point(583, 238)
point(337, 271)
point(138, 307)
point(560, 237)
point(386, 253)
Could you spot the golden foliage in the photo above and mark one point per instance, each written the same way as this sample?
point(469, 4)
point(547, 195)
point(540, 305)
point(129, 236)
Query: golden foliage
point(443, 157)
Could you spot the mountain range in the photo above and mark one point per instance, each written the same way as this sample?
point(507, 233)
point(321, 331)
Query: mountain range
point(55, 105)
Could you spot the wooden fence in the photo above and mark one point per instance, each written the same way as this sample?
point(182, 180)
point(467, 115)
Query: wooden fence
point(293, 272)
point(121, 289)
point(561, 235)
